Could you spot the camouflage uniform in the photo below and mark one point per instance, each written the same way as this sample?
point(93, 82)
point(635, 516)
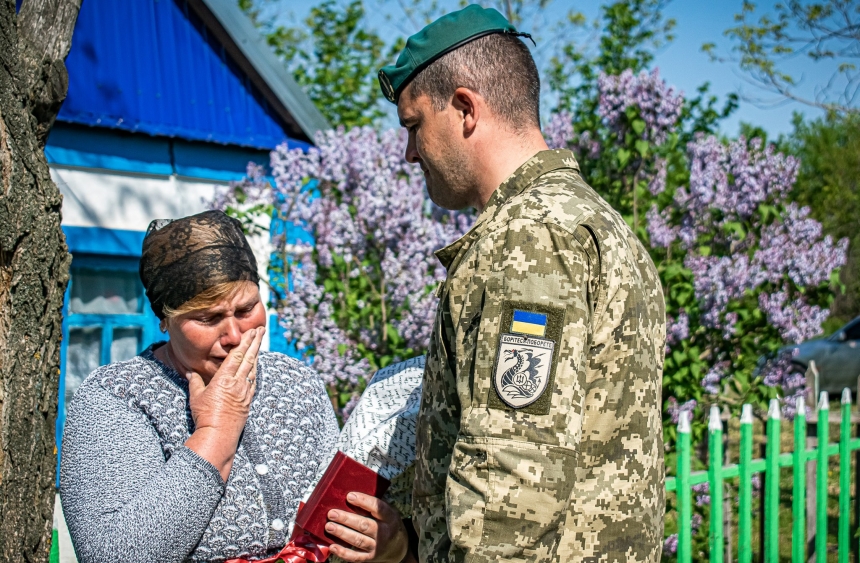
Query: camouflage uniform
point(576, 472)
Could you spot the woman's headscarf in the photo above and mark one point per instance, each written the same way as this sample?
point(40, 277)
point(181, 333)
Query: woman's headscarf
point(184, 257)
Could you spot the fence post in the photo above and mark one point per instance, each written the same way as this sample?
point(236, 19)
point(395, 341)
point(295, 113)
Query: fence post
point(771, 484)
point(798, 501)
point(685, 509)
point(729, 497)
point(845, 478)
point(715, 483)
point(745, 487)
point(821, 479)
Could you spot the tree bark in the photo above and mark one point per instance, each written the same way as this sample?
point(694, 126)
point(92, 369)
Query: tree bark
point(34, 264)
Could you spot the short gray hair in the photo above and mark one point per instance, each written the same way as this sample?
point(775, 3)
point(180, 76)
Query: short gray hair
point(498, 66)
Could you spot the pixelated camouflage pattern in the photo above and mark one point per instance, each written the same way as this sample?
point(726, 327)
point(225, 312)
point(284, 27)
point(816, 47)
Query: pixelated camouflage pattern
point(584, 482)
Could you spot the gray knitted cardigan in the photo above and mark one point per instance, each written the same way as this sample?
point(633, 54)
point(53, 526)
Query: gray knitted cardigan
point(132, 492)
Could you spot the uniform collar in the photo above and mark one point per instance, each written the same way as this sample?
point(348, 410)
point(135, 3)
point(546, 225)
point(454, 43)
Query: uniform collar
point(515, 184)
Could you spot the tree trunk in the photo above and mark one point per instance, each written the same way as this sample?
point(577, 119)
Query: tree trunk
point(34, 264)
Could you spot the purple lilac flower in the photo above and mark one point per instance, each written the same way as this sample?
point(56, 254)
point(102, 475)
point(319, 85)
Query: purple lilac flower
point(711, 381)
point(703, 496)
point(674, 410)
point(559, 131)
point(670, 545)
point(559, 134)
point(661, 232)
point(657, 185)
point(658, 104)
point(696, 522)
point(677, 329)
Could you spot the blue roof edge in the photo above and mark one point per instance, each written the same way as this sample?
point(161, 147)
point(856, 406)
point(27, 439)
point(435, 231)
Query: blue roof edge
point(250, 43)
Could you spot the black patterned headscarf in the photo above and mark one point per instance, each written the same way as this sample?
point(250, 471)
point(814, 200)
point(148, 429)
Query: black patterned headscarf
point(182, 258)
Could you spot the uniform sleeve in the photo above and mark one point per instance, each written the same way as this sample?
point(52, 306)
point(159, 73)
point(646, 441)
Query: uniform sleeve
point(514, 462)
point(121, 499)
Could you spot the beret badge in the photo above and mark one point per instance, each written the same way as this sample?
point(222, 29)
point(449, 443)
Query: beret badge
point(387, 88)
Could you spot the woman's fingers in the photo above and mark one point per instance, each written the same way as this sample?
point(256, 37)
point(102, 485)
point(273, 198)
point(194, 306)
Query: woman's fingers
point(231, 364)
point(195, 384)
point(249, 359)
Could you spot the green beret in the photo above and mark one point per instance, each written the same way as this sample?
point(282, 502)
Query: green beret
point(443, 35)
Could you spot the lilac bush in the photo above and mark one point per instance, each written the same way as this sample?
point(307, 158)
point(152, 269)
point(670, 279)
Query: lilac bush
point(759, 266)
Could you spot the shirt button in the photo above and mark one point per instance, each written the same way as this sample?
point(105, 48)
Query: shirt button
point(262, 468)
point(277, 524)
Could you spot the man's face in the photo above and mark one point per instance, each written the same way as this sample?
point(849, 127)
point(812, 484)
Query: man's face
point(436, 144)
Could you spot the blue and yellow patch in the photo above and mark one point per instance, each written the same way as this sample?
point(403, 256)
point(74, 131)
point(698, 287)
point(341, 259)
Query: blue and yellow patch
point(525, 322)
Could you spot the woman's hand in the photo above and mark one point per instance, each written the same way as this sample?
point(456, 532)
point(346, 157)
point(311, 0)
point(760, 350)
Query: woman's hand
point(379, 538)
point(221, 408)
point(224, 403)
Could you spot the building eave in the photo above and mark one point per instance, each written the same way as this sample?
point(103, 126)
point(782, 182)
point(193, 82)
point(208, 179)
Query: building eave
point(293, 105)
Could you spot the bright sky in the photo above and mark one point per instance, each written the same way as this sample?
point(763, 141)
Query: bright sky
point(681, 63)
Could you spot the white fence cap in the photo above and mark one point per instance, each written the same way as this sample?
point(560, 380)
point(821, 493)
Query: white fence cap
point(684, 422)
point(773, 409)
point(800, 406)
point(714, 422)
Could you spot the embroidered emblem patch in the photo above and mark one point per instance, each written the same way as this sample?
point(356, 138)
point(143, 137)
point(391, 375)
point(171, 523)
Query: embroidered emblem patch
point(522, 367)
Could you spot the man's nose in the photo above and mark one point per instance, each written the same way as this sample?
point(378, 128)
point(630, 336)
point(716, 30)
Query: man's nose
point(411, 151)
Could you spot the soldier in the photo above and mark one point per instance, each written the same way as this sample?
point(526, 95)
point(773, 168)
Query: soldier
point(539, 434)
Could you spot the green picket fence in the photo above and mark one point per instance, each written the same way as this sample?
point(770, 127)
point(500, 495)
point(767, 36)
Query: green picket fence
point(770, 466)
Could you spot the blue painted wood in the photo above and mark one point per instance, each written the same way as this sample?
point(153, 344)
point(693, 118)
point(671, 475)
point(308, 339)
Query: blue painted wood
point(152, 66)
point(111, 150)
point(106, 242)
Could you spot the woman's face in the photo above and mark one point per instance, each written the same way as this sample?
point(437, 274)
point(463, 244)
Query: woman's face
point(200, 340)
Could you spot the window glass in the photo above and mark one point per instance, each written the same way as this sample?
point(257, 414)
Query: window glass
point(853, 332)
point(125, 344)
point(82, 356)
point(105, 292)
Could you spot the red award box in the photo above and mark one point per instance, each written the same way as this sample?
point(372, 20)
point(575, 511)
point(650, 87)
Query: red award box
point(343, 476)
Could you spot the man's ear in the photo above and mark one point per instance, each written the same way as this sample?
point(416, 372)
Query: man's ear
point(469, 104)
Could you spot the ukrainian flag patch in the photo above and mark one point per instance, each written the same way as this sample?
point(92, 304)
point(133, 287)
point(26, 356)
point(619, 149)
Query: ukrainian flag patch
point(525, 322)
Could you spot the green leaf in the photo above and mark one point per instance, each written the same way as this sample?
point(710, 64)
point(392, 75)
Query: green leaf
point(642, 147)
point(638, 126)
point(623, 156)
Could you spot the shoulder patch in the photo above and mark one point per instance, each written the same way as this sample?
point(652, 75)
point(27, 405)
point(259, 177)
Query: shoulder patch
point(526, 357)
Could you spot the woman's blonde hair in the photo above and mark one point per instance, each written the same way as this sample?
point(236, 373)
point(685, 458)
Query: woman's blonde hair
point(205, 299)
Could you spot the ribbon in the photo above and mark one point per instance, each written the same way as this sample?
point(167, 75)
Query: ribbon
point(302, 548)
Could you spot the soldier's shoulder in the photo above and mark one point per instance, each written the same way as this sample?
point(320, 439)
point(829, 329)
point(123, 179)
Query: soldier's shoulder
point(564, 199)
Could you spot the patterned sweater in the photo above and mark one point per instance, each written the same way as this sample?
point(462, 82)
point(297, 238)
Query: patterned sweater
point(131, 490)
